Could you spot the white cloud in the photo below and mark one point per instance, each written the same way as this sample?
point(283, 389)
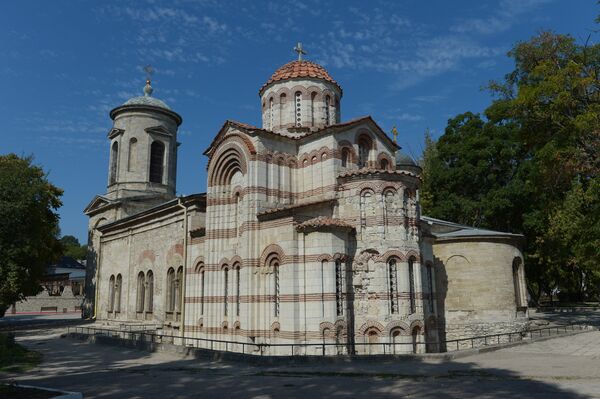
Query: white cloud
point(502, 19)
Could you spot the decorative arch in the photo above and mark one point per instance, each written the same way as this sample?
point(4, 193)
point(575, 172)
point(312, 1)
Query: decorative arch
point(270, 251)
point(413, 254)
point(340, 256)
point(392, 253)
point(371, 325)
point(230, 156)
point(416, 324)
point(383, 157)
point(325, 257)
point(457, 256)
point(397, 325)
point(326, 326)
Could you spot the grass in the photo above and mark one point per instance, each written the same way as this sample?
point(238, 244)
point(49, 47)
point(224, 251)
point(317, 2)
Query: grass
point(14, 357)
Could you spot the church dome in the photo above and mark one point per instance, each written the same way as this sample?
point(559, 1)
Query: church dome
point(299, 69)
point(147, 99)
point(404, 159)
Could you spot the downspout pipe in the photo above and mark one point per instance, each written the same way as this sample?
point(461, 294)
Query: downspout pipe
point(185, 245)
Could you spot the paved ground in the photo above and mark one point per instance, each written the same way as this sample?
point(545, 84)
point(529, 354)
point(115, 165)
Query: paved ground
point(567, 367)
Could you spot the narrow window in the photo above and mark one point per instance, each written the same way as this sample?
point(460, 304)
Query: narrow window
point(430, 286)
point(384, 164)
point(364, 146)
point(393, 283)
point(271, 113)
point(298, 109)
point(114, 160)
point(313, 95)
point(237, 213)
point(237, 291)
point(149, 291)
point(170, 290)
point(179, 289)
point(339, 288)
point(281, 109)
point(157, 155)
point(118, 285)
point(202, 291)
point(327, 111)
point(345, 156)
point(131, 154)
point(111, 294)
point(225, 290)
point(276, 288)
point(140, 293)
point(411, 282)
point(517, 282)
point(324, 269)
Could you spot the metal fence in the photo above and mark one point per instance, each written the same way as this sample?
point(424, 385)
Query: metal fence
point(142, 335)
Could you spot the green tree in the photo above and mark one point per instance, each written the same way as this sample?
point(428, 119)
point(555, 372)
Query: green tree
point(72, 247)
point(471, 175)
point(29, 228)
point(532, 165)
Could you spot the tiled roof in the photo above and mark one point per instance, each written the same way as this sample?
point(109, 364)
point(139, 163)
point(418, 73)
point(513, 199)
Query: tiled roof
point(324, 221)
point(293, 206)
point(299, 69)
point(367, 171)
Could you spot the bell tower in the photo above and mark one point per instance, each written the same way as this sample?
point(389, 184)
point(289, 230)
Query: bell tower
point(143, 152)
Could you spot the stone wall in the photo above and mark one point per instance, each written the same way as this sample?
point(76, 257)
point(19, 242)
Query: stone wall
point(475, 287)
point(43, 302)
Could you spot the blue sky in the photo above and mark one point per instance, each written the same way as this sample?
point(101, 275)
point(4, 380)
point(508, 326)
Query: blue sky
point(413, 64)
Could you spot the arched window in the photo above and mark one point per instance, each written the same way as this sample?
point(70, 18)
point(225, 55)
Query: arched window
point(388, 209)
point(271, 113)
point(298, 112)
point(225, 290)
point(157, 156)
point(114, 161)
point(327, 111)
point(324, 269)
point(141, 293)
point(411, 284)
point(337, 110)
point(364, 147)
point(384, 164)
point(237, 214)
point(366, 198)
point(393, 284)
point(339, 288)
point(282, 99)
point(268, 176)
point(237, 289)
point(416, 340)
point(345, 157)
point(131, 154)
point(200, 269)
point(170, 290)
point(149, 292)
point(313, 95)
point(179, 289)
point(111, 294)
point(517, 270)
point(429, 270)
point(276, 298)
point(118, 290)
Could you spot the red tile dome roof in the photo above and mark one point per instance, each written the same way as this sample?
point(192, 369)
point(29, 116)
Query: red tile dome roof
point(299, 69)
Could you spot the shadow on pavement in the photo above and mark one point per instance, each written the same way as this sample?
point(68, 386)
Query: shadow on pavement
point(114, 372)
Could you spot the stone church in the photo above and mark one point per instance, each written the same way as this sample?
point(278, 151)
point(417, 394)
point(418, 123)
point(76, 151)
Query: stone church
point(310, 232)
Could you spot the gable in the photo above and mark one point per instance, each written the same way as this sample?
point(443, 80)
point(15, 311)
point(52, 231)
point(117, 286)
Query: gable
point(99, 203)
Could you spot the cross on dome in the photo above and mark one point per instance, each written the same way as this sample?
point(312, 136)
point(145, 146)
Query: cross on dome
point(300, 51)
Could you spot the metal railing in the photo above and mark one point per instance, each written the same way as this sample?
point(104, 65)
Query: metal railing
point(325, 348)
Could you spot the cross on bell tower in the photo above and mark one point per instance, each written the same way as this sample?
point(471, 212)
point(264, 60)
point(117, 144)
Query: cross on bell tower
point(300, 51)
